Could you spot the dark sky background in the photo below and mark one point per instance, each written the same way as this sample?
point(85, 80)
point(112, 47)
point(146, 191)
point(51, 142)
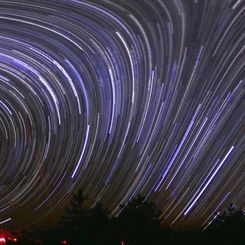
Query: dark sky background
point(121, 97)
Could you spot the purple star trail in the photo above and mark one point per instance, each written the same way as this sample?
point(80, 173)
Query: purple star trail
point(122, 98)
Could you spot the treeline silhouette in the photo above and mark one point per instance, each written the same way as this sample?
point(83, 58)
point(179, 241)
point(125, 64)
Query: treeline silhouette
point(136, 224)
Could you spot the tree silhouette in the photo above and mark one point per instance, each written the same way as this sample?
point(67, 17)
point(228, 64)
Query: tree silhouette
point(98, 225)
point(73, 222)
point(138, 222)
point(85, 226)
point(228, 226)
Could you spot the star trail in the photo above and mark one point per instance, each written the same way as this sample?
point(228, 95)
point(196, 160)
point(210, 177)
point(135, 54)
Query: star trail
point(122, 98)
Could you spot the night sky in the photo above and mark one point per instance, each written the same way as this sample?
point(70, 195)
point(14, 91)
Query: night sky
point(120, 98)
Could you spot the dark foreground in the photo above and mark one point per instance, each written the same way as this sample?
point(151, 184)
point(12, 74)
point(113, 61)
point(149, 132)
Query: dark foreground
point(137, 224)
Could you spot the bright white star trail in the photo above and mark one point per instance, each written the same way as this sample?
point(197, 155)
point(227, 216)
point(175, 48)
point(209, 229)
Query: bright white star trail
point(121, 98)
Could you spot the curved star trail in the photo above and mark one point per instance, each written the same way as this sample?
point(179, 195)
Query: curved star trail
point(121, 98)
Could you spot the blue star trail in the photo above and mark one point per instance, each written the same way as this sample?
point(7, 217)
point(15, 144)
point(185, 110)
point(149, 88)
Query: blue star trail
point(122, 98)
